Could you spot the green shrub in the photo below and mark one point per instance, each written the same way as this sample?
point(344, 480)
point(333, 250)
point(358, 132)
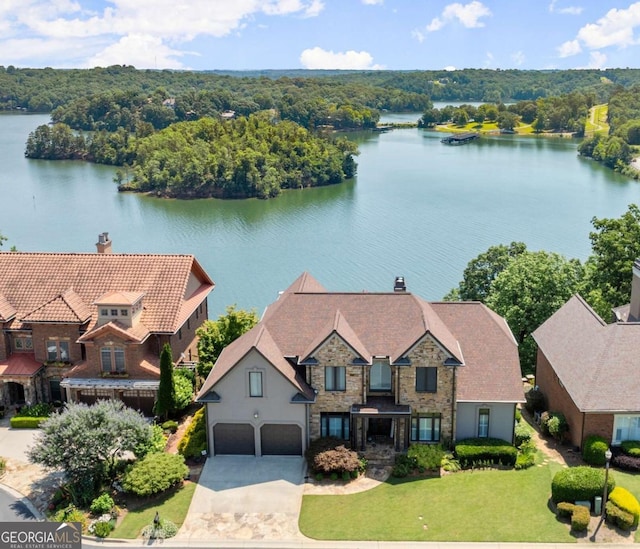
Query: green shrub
point(26, 422)
point(518, 415)
point(427, 456)
point(579, 483)
point(474, 451)
point(102, 504)
point(157, 442)
point(102, 528)
point(618, 517)
point(522, 433)
point(170, 425)
point(183, 392)
point(186, 373)
point(593, 450)
point(535, 400)
point(154, 474)
point(337, 460)
point(450, 464)
point(557, 425)
point(524, 461)
point(319, 476)
point(165, 529)
point(580, 518)
point(625, 500)
point(71, 514)
point(3, 466)
point(41, 409)
point(564, 509)
point(194, 440)
point(631, 447)
point(320, 445)
point(400, 470)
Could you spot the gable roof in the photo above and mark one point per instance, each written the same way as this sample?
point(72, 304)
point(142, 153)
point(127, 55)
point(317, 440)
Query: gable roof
point(386, 325)
point(597, 363)
point(492, 365)
point(63, 287)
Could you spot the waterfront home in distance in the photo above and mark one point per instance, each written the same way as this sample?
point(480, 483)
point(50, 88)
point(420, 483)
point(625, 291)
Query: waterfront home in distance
point(85, 326)
point(368, 368)
point(589, 370)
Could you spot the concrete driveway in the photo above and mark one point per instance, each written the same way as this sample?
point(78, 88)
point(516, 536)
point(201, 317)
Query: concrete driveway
point(247, 498)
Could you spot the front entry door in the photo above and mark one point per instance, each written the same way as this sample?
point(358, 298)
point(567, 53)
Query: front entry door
point(380, 428)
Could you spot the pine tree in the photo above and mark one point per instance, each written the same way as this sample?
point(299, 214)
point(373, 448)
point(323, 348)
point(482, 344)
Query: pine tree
point(166, 401)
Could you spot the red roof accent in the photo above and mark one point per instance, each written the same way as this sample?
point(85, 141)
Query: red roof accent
point(19, 364)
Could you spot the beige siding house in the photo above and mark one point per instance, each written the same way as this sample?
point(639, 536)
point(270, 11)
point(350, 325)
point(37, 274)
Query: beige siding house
point(80, 327)
point(368, 368)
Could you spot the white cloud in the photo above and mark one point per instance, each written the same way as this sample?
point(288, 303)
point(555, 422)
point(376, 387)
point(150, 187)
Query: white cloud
point(597, 60)
point(372, 2)
point(449, 68)
point(317, 58)
point(140, 50)
point(468, 15)
point(569, 48)
point(156, 27)
point(569, 10)
point(416, 34)
point(518, 58)
point(616, 28)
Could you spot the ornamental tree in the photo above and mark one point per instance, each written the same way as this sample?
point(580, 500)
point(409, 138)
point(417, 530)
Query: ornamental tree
point(166, 399)
point(86, 442)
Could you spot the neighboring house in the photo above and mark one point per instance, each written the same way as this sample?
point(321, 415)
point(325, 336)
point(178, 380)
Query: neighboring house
point(590, 370)
point(80, 327)
point(363, 367)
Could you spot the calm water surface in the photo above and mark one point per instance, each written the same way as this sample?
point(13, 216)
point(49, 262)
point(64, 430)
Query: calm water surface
point(417, 208)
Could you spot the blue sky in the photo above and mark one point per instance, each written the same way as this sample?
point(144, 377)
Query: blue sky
point(320, 34)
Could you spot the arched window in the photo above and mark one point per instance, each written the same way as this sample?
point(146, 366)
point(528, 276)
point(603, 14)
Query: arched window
point(380, 377)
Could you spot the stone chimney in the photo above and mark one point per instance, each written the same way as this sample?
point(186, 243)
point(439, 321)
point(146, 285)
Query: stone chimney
point(103, 244)
point(634, 306)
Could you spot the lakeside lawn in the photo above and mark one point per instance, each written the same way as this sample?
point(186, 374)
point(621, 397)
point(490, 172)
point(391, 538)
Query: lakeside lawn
point(172, 506)
point(491, 505)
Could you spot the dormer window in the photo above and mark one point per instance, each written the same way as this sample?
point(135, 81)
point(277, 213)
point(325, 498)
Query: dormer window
point(125, 307)
point(114, 312)
point(124, 312)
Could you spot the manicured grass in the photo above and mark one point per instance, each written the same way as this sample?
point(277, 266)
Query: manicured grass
point(173, 507)
point(499, 506)
point(597, 120)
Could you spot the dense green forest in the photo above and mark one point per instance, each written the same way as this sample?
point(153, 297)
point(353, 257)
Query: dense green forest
point(617, 149)
point(246, 157)
point(43, 90)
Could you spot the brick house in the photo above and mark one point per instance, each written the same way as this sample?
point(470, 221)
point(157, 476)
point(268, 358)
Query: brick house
point(589, 370)
point(80, 327)
point(364, 367)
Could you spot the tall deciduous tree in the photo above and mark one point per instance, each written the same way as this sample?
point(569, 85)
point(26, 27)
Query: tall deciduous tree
point(216, 335)
point(615, 244)
point(481, 271)
point(87, 441)
point(532, 287)
point(166, 400)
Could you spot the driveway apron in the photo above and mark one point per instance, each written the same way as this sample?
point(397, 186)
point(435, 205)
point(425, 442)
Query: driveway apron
point(246, 498)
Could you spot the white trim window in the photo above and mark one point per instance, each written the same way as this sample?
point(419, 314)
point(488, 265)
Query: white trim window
point(483, 422)
point(335, 378)
point(112, 359)
point(626, 428)
point(57, 350)
point(380, 377)
point(255, 384)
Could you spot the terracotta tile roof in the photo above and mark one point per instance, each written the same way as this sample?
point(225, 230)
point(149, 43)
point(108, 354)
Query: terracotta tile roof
point(147, 368)
point(119, 298)
point(137, 333)
point(7, 310)
point(37, 285)
point(389, 324)
point(492, 366)
point(597, 363)
point(19, 364)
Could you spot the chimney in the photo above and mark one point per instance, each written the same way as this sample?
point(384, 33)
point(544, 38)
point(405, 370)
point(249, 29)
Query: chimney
point(399, 285)
point(634, 306)
point(103, 244)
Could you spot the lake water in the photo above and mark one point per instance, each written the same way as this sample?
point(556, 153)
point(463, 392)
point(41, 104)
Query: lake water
point(417, 208)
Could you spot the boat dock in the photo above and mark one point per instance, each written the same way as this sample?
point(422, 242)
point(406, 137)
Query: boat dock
point(460, 138)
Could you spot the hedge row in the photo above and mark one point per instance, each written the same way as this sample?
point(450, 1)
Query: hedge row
point(626, 501)
point(618, 517)
point(594, 449)
point(631, 447)
point(475, 451)
point(26, 422)
point(579, 483)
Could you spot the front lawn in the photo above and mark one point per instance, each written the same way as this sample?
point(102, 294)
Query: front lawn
point(172, 506)
point(491, 505)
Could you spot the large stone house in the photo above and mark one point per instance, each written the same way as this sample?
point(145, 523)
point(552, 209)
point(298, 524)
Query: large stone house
point(589, 370)
point(81, 326)
point(363, 367)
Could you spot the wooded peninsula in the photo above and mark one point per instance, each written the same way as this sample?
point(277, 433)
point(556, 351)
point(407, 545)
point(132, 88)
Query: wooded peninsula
point(251, 134)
